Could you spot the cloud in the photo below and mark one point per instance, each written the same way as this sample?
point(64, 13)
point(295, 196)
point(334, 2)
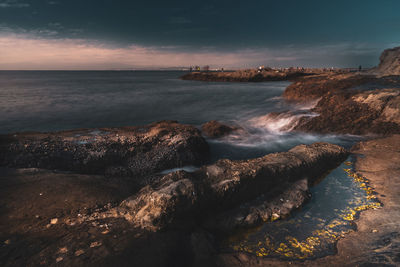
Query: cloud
point(13, 4)
point(27, 51)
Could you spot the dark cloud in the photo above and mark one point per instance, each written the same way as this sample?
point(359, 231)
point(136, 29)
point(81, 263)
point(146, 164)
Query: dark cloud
point(215, 25)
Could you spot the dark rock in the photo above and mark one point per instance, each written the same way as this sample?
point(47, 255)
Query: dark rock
point(248, 75)
point(215, 129)
point(348, 104)
point(125, 151)
point(374, 111)
point(229, 184)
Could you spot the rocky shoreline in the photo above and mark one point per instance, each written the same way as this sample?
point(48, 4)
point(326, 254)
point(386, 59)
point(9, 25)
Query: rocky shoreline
point(255, 75)
point(107, 196)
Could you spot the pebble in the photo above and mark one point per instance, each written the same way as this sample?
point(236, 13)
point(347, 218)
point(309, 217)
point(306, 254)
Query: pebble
point(374, 231)
point(63, 250)
point(54, 221)
point(79, 252)
point(7, 242)
point(95, 244)
point(59, 259)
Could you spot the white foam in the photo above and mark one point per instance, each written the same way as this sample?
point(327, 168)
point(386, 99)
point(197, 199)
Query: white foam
point(184, 168)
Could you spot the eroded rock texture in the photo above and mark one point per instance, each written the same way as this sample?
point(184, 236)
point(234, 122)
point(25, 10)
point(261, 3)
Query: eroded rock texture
point(245, 191)
point(125, 151)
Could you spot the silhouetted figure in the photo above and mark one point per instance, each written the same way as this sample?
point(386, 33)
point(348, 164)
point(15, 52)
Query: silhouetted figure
point(359, 68)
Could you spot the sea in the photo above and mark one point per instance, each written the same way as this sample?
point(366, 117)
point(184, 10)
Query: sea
point(60, 100)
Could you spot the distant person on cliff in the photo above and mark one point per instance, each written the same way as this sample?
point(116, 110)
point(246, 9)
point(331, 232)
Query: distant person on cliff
point(359, 68)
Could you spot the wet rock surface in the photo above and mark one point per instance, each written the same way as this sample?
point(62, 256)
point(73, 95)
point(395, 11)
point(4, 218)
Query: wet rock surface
point(216, 129)
point(349, 104)
point(376, 241)
point(124, 151)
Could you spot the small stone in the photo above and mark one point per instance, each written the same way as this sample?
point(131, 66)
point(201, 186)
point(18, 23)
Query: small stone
point(37, 216)
point(7, 242)
point(105, 232)
point(63, 250)
point(79, 252)
point(59, 259)
point(95, 244)
point(40, 194)
point(54, 221)
point(48, 225)
point(374, 231)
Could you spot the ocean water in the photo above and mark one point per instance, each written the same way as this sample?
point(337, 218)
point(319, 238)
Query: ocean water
point(60, 100)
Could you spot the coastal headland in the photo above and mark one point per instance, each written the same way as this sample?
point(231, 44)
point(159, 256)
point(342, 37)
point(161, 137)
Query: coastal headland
point(122, 196)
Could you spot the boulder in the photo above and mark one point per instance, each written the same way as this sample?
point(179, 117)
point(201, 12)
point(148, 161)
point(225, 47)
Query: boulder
point(216, 129)
point(125, 151)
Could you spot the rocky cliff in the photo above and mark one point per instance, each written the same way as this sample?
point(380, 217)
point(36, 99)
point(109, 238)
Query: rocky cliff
point(389, 62)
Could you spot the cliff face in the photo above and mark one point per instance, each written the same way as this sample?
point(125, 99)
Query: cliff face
point(389, 62)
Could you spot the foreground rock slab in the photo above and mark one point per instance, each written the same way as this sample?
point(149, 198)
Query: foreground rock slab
point(124, 151)
point(227, 185)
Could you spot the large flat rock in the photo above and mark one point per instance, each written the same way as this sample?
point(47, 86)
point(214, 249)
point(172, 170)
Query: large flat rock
point(124, 151)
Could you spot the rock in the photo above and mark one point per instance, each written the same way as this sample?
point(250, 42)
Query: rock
point(158, 205)
point(366, 112)
point(216, 129)
point(228, 184)
point(125, 151)
point(249, 75)
point(389, 62)
point(54, 221)
point(63, 250)
point(95, 244)
point(79, 252)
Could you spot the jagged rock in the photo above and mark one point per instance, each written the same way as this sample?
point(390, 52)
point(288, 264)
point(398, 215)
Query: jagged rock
point(158, 205)
point(365, 112)
point(125, 151)
point(229, 184)
point(215, 129)
point(389, 62)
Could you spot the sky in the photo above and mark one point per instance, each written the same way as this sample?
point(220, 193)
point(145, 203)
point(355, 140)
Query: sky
point(122, 34)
